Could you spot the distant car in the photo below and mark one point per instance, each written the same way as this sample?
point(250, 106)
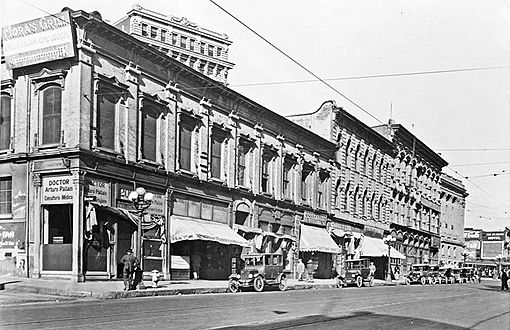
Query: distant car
point(356, 272)
point(445, 275)
point(260, 270)
point(456, 278)
point(468, 274)
point(422, 273)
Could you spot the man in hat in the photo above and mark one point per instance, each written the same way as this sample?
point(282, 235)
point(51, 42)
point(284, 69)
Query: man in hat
point(130, 263)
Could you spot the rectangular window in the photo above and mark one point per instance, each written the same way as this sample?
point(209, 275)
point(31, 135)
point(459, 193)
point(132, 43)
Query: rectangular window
point(163, 35)
point(216, 157)
point(154, 32)
point(322, 189)
point(145, 30)
point(5, 122)
point(242, 151)
point(192, 45)
point(304, 184)
point(210, 50)
point(52, 110)
point(202, 47)
point(6, 195)
point(174, 38)
point(106, 115)
point(264, 185)
point(183, 41)
point(219, 50)
point(58, 237)
point(149, 135)
point(287, 166)
point(185, 147)
point(210, 69)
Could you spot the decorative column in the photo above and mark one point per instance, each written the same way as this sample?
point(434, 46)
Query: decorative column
point(77, 230)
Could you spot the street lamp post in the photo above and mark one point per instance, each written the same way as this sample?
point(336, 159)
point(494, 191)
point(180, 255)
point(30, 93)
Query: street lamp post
point(389, 240)
point(141, 200)
point(499, 258)
point(465, 254)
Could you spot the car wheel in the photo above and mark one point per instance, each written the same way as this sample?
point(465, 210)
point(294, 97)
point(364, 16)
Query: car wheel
point(339, 283)
point(258, 284)
point(233, 286)
point(432, 280)
point(408, 281)
point(359, 281)
point(371, 282)
point(282, 286)
point(423, 280)
point(452, 280)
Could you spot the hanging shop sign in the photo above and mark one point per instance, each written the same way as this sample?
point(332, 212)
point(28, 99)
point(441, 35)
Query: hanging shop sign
point(57, 190)
point(40, 40)
point(99, 191)
point(157, 208)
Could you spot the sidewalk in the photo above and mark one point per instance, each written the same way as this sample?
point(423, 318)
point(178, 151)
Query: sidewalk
point(114, 289)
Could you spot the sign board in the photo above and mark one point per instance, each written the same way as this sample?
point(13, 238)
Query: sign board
point(157, 208)
point(40, 40)
point(99, 191)
point(315, 219)
point(12, 235)
point(491, 250)
point(57, 190)
point(493, 236)
point(472, 234)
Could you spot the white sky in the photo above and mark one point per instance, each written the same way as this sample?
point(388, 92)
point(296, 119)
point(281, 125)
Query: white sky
point(462, 110)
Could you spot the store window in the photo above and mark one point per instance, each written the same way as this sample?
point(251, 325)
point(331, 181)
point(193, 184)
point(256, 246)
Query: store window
point(5, 122)
point(6, 195)
point(51, 114)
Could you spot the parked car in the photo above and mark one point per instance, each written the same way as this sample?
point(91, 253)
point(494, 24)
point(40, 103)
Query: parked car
point(456, 278)
point(356, 272)
point(260, 270)
point(445, 275)
point(422, 273)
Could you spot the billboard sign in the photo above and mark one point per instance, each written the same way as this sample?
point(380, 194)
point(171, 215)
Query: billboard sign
point(40, 40)
point(493, 236)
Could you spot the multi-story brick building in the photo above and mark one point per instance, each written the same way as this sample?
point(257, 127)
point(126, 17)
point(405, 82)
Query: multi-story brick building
point(416, 206)
point(202, 49)
point(453, 202)
point(98, 113)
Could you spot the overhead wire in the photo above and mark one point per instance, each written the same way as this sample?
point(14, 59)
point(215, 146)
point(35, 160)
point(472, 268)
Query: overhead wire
point(296, 62)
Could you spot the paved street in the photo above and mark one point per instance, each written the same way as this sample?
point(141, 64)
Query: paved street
point(480, 306)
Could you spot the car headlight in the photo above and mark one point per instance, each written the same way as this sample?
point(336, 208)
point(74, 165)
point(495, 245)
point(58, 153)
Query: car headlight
point(238, 276)
point(353, 275)
point(250, 275)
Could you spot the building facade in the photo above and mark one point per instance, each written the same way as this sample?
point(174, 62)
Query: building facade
point(201, 49)
point(86, 124)
point(453, 203)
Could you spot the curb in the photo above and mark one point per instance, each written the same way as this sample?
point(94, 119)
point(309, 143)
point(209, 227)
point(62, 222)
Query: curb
point(150, 292)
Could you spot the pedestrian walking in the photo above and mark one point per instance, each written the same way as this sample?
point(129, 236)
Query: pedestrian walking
point(130, 263)
point(300, 269)
point(196, 263)
point(504, 280)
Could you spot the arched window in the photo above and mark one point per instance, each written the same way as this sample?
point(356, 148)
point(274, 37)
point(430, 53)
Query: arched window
point(347, 153)
point(347, 198)
point(356, 201)
point(5, 122)
point(356, 158)
point(51, 114)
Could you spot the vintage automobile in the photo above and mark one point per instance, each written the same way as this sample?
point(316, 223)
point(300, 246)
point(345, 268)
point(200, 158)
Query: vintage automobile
point(468, 275)
point(422, 273)
point(456, 278)
point(259, 270)
point(356, 271)
point(445, 275)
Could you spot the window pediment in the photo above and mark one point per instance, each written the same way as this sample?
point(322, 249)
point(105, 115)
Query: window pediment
point(111, 82)
point(46, 77)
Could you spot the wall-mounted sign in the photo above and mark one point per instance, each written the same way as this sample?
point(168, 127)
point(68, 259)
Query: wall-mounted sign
point(99, 191)
point(12, 235)
point(491, 250)
point(472, 234)
point(157, 208)
point(315, 219)
point(40, 40)
point(493, 236)
point(57, 190)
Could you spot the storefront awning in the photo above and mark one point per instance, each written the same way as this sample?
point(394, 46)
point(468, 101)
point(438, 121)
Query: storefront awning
point(189, 229)
point(317, 239)
point(374, 247)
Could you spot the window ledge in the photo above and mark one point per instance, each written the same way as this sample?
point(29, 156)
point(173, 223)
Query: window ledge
point(5, 216)
point(243, 188)
point(49, 146)
point(216, 180)
point(186, 173)
point(263, 193)
point(151, 163)
point(108, 151)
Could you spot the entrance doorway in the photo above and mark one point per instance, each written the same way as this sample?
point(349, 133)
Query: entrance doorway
point(57, 237)
point(125, 241)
